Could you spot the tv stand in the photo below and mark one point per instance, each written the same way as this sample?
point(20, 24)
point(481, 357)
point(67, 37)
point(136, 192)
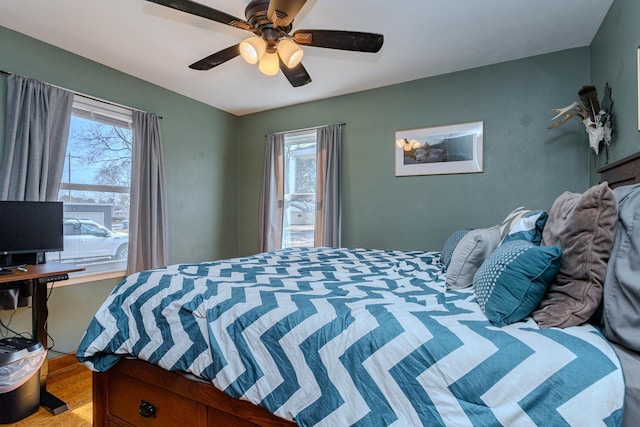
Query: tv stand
point(39, 276)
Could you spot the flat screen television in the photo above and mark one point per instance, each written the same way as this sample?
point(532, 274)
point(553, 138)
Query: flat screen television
point(29, 228)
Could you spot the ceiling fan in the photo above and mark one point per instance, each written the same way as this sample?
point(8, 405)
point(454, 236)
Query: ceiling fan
point(272, 46)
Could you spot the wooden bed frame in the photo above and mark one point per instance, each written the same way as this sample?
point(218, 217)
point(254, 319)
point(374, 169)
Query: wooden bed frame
point(135, 393)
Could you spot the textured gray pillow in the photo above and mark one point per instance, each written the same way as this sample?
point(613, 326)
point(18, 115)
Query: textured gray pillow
point(584, 226)
point(469, 255)
point(450, 245)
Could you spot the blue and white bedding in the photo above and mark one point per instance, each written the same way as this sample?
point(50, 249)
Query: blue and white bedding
point(355, 337)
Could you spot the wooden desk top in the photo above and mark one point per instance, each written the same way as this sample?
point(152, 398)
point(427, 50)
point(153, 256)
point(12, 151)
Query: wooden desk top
point(40, 270)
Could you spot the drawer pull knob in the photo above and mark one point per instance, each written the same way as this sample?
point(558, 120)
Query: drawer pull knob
point(147, 409)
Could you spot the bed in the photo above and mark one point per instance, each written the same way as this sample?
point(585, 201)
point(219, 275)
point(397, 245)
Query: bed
point(321, 336)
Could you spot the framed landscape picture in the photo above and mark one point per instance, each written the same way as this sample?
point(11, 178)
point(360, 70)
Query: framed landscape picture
point(440, 150)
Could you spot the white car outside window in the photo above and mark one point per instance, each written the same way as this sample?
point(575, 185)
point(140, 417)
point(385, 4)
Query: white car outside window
point(84, 238)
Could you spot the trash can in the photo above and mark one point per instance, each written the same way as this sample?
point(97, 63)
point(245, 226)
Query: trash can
point(20, 361)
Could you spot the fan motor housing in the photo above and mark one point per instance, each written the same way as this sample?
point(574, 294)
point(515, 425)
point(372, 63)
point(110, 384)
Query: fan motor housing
point(256, 14)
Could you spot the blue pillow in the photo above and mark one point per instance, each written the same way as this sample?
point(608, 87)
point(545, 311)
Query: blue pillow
point(510, 284)
point(450, 245)
point(529, 228)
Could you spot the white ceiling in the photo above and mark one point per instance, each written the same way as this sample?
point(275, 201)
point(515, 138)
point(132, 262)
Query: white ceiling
point(422, 38)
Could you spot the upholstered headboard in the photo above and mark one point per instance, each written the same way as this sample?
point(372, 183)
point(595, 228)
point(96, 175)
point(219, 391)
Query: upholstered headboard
point(623, 172)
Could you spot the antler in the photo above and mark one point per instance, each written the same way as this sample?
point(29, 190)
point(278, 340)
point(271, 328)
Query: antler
point(573, 110)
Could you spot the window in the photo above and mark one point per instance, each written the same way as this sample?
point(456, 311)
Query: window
point(296, 209)
point(299, 189)
point(95, 187)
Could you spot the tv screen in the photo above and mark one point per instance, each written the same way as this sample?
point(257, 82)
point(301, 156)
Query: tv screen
point(27, 227)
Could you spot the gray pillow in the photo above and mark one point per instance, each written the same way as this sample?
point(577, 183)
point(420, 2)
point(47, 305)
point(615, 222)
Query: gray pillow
point(450, 245)
point(621, 297)
point(584, 226)
point(469, 255)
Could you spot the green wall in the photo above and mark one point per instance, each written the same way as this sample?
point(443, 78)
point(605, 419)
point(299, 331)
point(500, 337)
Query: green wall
point(613, 60)
point(524, 162)
point(200, 158)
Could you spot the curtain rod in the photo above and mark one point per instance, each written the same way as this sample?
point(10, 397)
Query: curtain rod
point(302, 130)
point(8, 73)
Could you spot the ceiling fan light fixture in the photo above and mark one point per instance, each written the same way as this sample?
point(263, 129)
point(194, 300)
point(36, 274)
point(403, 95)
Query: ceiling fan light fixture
point(271, 44)
point(269, 64)
point(253, 49)
point(290, 53)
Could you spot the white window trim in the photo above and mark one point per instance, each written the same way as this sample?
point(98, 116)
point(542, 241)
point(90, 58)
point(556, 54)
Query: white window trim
point(110, 114)
point(102, 111)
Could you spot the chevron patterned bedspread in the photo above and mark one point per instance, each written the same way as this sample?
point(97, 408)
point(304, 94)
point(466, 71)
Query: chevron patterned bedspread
point(355, 337)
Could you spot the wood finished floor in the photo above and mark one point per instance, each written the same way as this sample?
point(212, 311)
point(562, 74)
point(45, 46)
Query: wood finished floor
point(72, 384)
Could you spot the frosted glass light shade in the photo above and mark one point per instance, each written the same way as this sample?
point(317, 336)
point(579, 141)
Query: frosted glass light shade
point(252, 49)
point(290, 53)
point(269, 64)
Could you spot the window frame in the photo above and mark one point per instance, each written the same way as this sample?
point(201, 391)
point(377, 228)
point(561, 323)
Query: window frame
point(309, 136)
point(109, 114)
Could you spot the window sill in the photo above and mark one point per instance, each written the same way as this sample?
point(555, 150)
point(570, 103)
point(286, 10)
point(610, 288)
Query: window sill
point(79, 278)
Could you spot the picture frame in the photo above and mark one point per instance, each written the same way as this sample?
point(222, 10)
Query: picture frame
point(449, 149)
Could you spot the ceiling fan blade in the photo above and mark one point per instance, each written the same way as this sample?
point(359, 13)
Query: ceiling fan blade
point(217, 58)
point(282, 12)
point(297, 75)
point(343, 40)
point(204, 12)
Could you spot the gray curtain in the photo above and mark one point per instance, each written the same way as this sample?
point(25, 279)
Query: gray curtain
point(328, 183)
point(148, 231)
point(272, 199)
point(38, 117)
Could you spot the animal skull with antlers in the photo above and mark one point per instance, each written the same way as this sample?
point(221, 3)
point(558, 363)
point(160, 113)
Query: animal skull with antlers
point(597, 121)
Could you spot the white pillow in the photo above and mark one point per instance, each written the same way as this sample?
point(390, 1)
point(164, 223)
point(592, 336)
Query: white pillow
point(469, 255)
point(529, 228)
point(512, 219)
